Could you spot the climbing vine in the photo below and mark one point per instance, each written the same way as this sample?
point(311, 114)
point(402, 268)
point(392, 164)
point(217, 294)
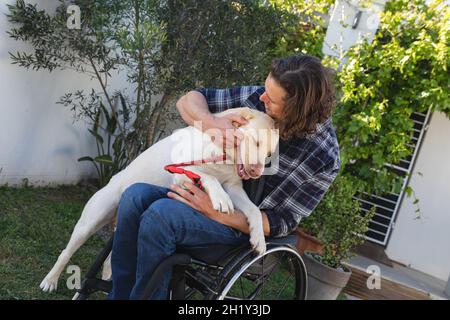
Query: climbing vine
point(403, 70)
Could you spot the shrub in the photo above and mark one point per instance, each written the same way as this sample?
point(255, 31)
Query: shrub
point(338, 222)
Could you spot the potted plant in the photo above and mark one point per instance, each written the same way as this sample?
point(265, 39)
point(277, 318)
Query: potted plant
point(339, 225)
point(307, 242)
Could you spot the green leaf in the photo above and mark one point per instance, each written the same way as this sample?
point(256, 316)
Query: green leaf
point(86, 159)
point(105, 112)
point(96, 135)
point(104, 159)
point(408, 191)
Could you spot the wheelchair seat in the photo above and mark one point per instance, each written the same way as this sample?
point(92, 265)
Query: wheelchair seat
point(219, 254)
point(209, 254)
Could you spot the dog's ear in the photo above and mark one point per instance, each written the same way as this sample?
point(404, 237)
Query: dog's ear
point(274, 140)
point(246, 113)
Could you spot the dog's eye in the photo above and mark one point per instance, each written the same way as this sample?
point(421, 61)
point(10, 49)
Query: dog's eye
point(257, 143)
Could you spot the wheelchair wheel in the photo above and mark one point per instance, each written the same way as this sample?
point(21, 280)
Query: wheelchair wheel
point(279, 274)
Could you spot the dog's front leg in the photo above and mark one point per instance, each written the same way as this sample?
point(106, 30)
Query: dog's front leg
point(251, 211)
point(219, 198)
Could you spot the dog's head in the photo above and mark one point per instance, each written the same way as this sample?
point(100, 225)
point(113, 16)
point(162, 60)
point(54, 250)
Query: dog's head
point(260, 141)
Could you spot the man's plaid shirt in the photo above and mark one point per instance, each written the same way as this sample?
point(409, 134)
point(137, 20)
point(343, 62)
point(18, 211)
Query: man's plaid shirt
point(307, 166)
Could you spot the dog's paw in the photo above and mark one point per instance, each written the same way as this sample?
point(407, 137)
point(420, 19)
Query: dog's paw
point(258, 244)
point(221, 201)
point(257, 239)
point(49, 284)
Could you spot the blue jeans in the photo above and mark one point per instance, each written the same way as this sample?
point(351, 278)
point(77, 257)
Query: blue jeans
point(149, 228)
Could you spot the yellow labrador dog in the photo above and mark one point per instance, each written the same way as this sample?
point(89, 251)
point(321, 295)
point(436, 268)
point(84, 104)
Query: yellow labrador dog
point(221, 180)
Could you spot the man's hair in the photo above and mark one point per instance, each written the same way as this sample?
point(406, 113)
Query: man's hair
point(310, 94)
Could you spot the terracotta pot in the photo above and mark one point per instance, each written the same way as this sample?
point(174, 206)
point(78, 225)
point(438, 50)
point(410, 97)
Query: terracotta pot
point(306, 242)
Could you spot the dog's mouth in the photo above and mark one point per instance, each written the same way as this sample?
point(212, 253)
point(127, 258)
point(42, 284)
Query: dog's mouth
point(241, 172)
point(240, 168)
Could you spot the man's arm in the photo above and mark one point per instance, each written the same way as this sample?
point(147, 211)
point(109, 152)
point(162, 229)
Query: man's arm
point(193, 107)
point(202, 103)
point(301, 200)
point(238, 221)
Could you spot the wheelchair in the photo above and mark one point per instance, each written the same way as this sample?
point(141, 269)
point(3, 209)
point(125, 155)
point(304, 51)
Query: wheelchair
point(221, 272)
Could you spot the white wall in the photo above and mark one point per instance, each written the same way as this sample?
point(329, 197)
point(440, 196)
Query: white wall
point(341, 36)
point(424, 244)
point(38, 139)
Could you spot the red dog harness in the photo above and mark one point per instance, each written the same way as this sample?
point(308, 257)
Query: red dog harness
point(195, 178)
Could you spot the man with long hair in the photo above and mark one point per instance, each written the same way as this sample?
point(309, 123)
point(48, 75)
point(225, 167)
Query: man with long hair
point(299, 95)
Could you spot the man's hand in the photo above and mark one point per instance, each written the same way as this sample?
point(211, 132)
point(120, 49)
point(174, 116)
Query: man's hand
point(200, 201)
point(193, 107)
point(195, 198)
point(222, 130)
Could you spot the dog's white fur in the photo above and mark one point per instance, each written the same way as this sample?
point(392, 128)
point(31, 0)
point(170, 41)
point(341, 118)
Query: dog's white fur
point(221, 181)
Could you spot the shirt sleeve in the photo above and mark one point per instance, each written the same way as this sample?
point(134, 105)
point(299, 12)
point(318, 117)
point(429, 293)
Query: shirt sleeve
point(223, 99)
point(285, 218)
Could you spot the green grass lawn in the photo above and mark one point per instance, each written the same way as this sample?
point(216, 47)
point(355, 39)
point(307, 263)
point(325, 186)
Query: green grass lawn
point(35, 225)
